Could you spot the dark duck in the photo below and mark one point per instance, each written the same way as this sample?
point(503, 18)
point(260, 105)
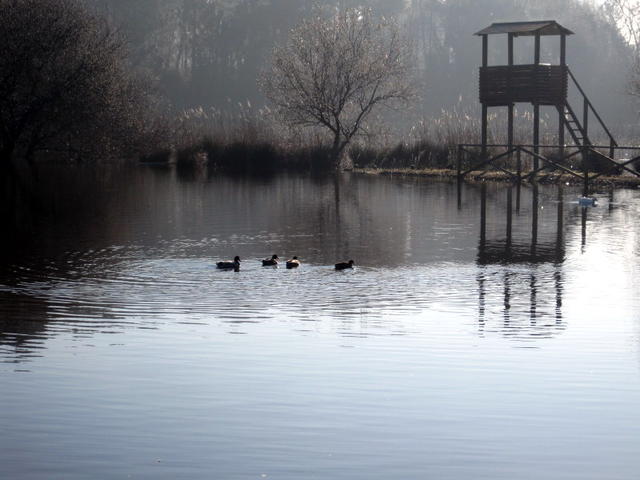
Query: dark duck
point(228, 265)
point(344, 265)
point(269, 262)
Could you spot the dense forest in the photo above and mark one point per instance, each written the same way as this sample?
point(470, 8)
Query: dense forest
point(210, 52)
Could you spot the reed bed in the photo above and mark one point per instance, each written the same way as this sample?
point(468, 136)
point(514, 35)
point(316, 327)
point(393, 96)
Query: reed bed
point(252, 141)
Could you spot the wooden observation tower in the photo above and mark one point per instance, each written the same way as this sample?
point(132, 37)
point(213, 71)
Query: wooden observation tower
point(536, 83)
point(540, 84)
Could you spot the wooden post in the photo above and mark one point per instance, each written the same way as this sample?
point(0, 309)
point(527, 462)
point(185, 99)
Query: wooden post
point(510, 127)
point(519, 163)
point(485, 63)
point(536, 134)
point(561, 118)
point(536, 107)
point(509, 89)
point(612, 148)
point(611, 199)
point(485, 50)
point(585, 167)
point(561, 114)
point(459, 191)
point(510, 49)
point(484, 127)
point(585, 120)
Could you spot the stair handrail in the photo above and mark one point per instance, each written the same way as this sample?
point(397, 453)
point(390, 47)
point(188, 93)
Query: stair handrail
point(585, 138)
point(604, 127)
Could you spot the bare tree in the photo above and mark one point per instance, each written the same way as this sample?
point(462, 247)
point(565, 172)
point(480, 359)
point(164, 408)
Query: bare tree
point(65, 87)
point(333, 72)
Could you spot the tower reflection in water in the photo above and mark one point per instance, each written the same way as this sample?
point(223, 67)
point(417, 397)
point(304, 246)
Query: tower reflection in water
point(520, 261)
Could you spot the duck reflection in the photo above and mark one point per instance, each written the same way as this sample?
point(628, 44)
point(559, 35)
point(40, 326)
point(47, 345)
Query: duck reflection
point(530, 277)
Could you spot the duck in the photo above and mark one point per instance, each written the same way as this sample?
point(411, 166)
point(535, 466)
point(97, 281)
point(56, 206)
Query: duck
point(268, 262)
point(228, 265)
point(293, 263)
point(344, 265)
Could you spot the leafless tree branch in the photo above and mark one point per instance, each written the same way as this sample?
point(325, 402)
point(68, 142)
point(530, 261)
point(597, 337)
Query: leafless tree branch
point(333, 72)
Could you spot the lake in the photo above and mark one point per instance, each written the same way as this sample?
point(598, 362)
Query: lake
point(486, 331)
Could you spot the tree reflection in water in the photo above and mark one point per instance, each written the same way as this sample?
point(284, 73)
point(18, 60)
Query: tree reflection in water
point(23, 325)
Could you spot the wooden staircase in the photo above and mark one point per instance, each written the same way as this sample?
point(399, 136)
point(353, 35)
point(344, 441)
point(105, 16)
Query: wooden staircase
point(579, 131)
point(573, 125)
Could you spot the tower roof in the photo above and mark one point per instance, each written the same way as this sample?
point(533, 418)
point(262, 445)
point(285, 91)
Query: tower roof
point(521, 29)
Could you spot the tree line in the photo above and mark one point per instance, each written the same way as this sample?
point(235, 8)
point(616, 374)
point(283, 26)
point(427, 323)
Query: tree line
point(210, 52)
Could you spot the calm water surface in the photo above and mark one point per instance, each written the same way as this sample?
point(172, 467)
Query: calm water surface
point(486, 332)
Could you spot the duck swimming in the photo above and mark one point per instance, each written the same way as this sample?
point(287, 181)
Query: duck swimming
point(344, 265)
point(268, 262)
point(293, 263)
point(228, 265)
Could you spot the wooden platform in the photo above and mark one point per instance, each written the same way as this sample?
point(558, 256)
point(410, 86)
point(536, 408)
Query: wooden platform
point(539, 84)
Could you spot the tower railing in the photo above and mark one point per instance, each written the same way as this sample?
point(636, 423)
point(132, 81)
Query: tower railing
point(511, 161)
point(587, 107)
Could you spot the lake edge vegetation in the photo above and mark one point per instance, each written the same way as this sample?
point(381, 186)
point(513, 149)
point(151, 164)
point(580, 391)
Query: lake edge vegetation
point(255, 143)
point(67, 88)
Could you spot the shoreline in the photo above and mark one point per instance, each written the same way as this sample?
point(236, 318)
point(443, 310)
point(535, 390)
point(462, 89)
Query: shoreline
point(480, 176)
